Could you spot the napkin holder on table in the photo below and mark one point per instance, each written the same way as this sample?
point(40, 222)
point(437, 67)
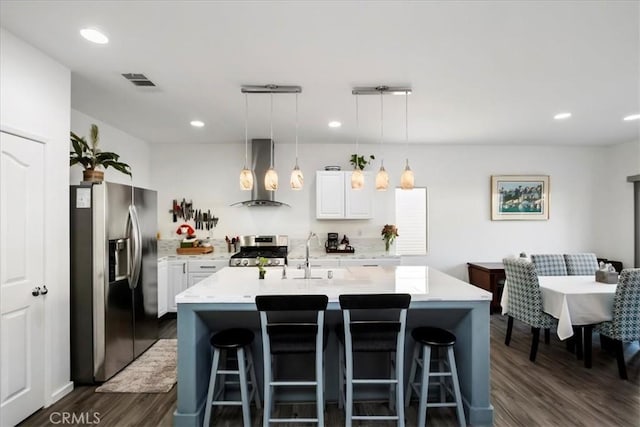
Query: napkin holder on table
point(610, 277)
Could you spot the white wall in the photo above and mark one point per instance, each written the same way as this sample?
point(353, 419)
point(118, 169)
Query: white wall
point(133, 151)
point(35, 100)
point(614, 203)
point(458, 180)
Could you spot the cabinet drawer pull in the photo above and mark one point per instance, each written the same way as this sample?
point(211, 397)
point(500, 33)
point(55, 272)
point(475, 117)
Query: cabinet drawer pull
point(207, 266)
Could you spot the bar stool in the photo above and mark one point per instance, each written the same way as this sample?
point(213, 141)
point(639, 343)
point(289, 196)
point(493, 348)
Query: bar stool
point(426, 338)
point(373, 323)
point(292, 324)
point(238, 339)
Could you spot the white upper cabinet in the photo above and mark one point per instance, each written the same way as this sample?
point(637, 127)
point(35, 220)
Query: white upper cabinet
point(335, 199)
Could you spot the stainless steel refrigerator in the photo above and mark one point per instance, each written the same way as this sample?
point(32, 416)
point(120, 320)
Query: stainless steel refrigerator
point(114, 278)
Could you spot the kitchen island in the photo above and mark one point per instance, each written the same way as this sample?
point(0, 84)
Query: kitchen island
point(226, 299)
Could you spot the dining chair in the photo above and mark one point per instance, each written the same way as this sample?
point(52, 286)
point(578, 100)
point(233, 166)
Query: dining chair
point(525, 301)
point(549, 264)
point(373, 323)
point(583, 264)
point(625, 325)
point(292, 324)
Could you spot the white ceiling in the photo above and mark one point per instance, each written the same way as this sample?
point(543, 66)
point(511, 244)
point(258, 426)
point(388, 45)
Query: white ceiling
point(481, 71)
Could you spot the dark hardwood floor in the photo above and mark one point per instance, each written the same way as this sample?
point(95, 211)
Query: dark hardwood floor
point(555, 391)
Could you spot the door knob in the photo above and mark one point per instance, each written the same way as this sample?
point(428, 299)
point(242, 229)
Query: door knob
point(44, 290)
point(36, 291)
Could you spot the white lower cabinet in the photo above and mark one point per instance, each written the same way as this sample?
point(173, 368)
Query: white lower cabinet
point(176, 275)
point(373, 262)
point(315, 263)
point(177, 282)
point(344, 262)
point(163, 283)
point(198, 270)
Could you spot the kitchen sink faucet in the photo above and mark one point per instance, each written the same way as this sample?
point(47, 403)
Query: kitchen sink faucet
point(307, 264)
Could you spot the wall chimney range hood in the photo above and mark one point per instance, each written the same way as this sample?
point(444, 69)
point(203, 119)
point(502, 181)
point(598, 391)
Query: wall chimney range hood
point(261, 152)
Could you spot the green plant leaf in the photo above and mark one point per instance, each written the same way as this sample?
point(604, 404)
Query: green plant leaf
point(90, 156)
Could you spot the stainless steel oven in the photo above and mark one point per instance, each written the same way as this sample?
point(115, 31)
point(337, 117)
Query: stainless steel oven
point(272, 247)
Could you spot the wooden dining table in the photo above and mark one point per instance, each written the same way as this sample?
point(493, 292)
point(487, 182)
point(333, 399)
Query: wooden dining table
point(578, 302)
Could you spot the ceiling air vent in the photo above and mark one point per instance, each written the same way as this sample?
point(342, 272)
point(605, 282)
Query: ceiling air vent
point(138, 79)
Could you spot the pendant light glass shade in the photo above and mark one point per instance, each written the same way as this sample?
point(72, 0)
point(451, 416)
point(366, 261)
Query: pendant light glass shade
point(246, 175)
point(246, 179)
point(382, 179)
point(357, 179)
point(271, 180)
point(297, 179)
point(407, 179)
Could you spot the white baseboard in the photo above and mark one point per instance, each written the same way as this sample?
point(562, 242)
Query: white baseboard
point(59, 394)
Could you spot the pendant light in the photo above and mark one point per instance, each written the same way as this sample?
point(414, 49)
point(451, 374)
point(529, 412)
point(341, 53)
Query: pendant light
point(246, 175)
point(407, 178)
point(357, 177)
point(271, 177)
point(382, 178)
point(297, 179)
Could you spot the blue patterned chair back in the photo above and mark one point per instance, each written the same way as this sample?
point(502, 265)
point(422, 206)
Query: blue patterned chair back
point(549, 264)
point(525, 298)
point(626, 306)
point(581, 264)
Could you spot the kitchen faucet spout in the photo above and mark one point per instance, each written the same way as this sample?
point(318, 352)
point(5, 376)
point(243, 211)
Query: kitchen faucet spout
point(307, 264)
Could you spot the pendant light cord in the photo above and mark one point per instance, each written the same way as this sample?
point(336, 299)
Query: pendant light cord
point(406, 123)
point(381, 127)
point(271, 128)
point(246, 129)
point(357, 128)
point(296, 129)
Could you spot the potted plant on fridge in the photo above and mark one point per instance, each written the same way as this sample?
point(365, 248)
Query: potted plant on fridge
point(92, 158)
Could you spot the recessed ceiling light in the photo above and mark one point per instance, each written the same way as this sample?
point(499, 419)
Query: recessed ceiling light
point(334, 124)
point(562, 116)
point(632, 117)
point(94, 36)
point(197, 123)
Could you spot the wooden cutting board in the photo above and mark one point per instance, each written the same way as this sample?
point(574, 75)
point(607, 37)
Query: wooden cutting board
point(195, 251)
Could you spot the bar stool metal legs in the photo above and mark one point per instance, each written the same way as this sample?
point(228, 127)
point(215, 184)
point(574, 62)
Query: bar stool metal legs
point(427, 338)
point(238, 340)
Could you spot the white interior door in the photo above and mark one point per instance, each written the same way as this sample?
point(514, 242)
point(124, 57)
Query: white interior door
point(21, 271)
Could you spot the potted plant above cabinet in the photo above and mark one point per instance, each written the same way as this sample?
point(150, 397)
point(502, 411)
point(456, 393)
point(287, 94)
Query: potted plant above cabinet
point(92, 158)
point(359, 161)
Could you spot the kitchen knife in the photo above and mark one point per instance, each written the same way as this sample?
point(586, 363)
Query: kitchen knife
point(174, 208)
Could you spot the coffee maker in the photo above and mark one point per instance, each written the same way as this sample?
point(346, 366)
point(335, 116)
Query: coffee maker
point(332, 241)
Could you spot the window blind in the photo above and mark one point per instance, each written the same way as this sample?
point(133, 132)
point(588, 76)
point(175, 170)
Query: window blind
point(411, 220)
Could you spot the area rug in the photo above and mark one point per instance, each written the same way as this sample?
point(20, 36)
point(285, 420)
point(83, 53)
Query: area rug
point(153, 372)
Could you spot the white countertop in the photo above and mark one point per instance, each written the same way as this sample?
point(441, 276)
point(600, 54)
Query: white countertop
point(365, 249)
point(241, 285)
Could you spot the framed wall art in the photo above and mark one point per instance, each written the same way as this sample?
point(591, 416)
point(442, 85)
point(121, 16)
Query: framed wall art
point(519, 197)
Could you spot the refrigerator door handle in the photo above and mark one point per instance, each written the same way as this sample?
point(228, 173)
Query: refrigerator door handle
point(136, 253)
